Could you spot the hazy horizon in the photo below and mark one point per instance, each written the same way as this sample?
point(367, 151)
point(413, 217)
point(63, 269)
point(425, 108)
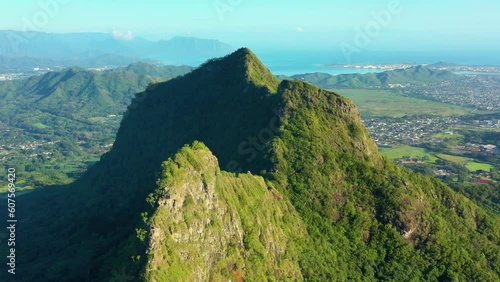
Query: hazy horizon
point(323, 32)
point(355, 30)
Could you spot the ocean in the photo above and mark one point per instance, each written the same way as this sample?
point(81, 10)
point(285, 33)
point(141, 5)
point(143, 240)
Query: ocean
point(290, 70)
point(300, 62)
point(297, 62)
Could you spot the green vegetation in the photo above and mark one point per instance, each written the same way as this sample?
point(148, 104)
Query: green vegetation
point(485, 195)
point(303, 194)
point(474, 166)
point(53, 126)
point(408, 151)
point(456, 137)
point(460, 163)
point(370, 202)
point(471, 165)
point(455, 159)
point(390, 103)
point(239, 219)
point(482, 136)
point(40, 125)
point(413, 75)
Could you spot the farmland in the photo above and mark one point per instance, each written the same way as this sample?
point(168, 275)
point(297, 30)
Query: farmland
point(391, 104)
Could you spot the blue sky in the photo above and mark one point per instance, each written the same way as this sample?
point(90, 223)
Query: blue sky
point(422, 24)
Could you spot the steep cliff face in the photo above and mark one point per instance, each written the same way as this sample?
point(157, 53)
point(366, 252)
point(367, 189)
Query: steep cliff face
point(212, 225)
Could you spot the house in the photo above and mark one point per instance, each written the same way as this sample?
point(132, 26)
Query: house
point(412, 161)
point(483, 181)
point(487, 148)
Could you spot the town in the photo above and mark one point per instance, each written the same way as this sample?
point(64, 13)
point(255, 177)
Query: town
point(390, 132)
point(478, 91)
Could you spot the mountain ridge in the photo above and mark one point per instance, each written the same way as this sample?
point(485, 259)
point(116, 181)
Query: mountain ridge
point(365, 218)
point(90, 45)
point(413, 75)
point(43, 85)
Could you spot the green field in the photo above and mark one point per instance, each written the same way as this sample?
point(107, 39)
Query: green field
point(468, 163)
point(388, 103)
point(413, 152)
point(455, 136)
point(474, 166)
point(455, 159)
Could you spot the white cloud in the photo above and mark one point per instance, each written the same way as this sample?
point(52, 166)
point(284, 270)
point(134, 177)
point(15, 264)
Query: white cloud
point(123, 35)
point(299, 29)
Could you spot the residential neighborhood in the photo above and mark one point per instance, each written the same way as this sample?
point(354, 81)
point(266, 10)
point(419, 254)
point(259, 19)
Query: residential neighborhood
point(478, 91)
point(388, 132)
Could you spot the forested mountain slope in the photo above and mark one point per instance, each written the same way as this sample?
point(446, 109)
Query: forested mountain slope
point(288, 184)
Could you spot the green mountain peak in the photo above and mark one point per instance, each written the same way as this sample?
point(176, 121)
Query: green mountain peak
point(243, 64)
point(301, 194)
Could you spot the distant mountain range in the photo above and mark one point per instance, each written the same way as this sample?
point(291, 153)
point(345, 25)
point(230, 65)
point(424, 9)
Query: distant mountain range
point(85, 46)
point(23, 64)
point(413, 75)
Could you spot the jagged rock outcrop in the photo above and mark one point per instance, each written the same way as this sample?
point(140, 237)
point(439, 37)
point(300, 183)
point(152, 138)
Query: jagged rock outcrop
point(211, 224)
